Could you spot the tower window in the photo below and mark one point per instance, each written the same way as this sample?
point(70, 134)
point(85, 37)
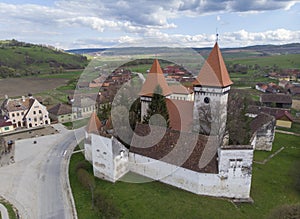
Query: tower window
point(206, 100)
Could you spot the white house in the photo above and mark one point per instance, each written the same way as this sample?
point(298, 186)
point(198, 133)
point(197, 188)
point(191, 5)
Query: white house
point(25, 112)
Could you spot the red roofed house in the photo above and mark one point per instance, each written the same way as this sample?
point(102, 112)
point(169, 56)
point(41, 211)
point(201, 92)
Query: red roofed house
point(25, 112)
point(179, 155)
point(5, 126)
point(284, 119)
point(62, 113)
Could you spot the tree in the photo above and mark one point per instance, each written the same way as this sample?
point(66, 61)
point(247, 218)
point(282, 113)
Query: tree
point(87, 181)
point(238, 123)
point(104, 111)
point(212, 120)
point(135, 113)
point(157, 106)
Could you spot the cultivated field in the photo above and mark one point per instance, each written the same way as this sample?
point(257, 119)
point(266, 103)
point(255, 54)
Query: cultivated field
point(22, 86)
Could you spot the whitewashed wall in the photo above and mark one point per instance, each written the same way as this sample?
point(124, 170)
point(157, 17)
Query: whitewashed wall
point(235, 185)
point(110, 158)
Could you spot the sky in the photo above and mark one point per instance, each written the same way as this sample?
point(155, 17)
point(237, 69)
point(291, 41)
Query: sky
point(73, 24)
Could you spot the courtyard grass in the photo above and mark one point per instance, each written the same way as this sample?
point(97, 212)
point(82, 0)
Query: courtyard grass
point(274, 184)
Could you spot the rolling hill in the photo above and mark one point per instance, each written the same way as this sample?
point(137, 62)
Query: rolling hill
point(24, 59)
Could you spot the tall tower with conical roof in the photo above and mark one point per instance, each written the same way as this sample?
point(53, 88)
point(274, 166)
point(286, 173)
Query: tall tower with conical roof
point(154, 78)
point(211, 94)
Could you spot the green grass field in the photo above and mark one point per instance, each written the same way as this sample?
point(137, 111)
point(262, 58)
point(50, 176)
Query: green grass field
point(283, 61)
point(274, 184)
point(23, 59)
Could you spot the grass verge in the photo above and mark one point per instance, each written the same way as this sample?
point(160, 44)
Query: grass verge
point(10, 209)
point(274, 184)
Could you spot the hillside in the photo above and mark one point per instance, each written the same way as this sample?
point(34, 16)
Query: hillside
point(24, 59)
point(239, 52)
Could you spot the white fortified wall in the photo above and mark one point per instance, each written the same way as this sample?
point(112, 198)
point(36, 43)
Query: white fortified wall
point(232, 182)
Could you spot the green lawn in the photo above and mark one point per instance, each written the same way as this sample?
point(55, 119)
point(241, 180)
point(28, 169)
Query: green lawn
point(9, 207)
point(283, 61)
point(295, 128)
point(274, 184)
point(77, 123)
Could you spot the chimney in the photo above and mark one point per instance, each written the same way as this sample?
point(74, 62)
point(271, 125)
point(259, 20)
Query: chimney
point(23, 98)
point(6, 96)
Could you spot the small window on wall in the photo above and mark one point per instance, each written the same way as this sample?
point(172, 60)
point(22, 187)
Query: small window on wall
point(40, 111)
point(34, 112)
point(235, 163)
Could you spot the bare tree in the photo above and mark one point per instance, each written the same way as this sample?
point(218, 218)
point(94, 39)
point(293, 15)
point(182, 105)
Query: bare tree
point(212, 120)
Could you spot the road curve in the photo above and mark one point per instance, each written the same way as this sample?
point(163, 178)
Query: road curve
point(54, 187)
point(37, 184)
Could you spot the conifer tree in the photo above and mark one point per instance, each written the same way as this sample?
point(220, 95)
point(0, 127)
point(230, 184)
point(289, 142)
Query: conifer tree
point(157, 106)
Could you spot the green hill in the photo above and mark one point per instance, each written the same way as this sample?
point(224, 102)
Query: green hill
point(24, 59)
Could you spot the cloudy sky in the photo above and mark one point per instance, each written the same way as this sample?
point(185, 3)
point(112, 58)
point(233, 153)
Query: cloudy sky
point(70, 24)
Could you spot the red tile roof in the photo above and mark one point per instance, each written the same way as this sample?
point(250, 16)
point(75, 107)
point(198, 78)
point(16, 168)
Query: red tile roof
point(155, 77)
point(94, 124)
point(180, 114)
point(214, 72)
point(188, 150)
point(285, 115)
point(60, 109)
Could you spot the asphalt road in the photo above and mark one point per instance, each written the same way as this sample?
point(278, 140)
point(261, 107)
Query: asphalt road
point(52, 187)
point(37, 184)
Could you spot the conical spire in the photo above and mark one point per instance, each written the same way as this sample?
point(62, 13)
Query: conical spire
point(155, 68)
point(214, 72)
point(94, 124)
point(154, 78)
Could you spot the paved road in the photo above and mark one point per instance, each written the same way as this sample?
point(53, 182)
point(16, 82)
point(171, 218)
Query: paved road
point(54, 203)
point(36, 184)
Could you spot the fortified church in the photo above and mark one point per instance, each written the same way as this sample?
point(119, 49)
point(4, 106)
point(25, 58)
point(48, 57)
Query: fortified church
point(199, 163)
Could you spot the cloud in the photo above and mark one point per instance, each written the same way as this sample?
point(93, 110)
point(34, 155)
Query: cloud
point(130, 20)
point(230, 39)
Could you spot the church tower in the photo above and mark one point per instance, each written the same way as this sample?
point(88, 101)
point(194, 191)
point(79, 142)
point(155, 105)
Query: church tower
point(154, 78)
point(211, 95)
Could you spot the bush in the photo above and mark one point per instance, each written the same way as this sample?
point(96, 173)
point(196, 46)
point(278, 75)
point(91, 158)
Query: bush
point(82, 165)
point(106, 206)
point(285, 212)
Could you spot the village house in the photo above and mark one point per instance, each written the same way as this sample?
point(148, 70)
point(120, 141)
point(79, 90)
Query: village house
point(83, 106)
point(183, 158)
point(283, 83)
point(267, 88)
point(180, 92)
point(62, 113)
point(5, 126)
point(276, 100)
point(25, 112)
point(284, 119)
